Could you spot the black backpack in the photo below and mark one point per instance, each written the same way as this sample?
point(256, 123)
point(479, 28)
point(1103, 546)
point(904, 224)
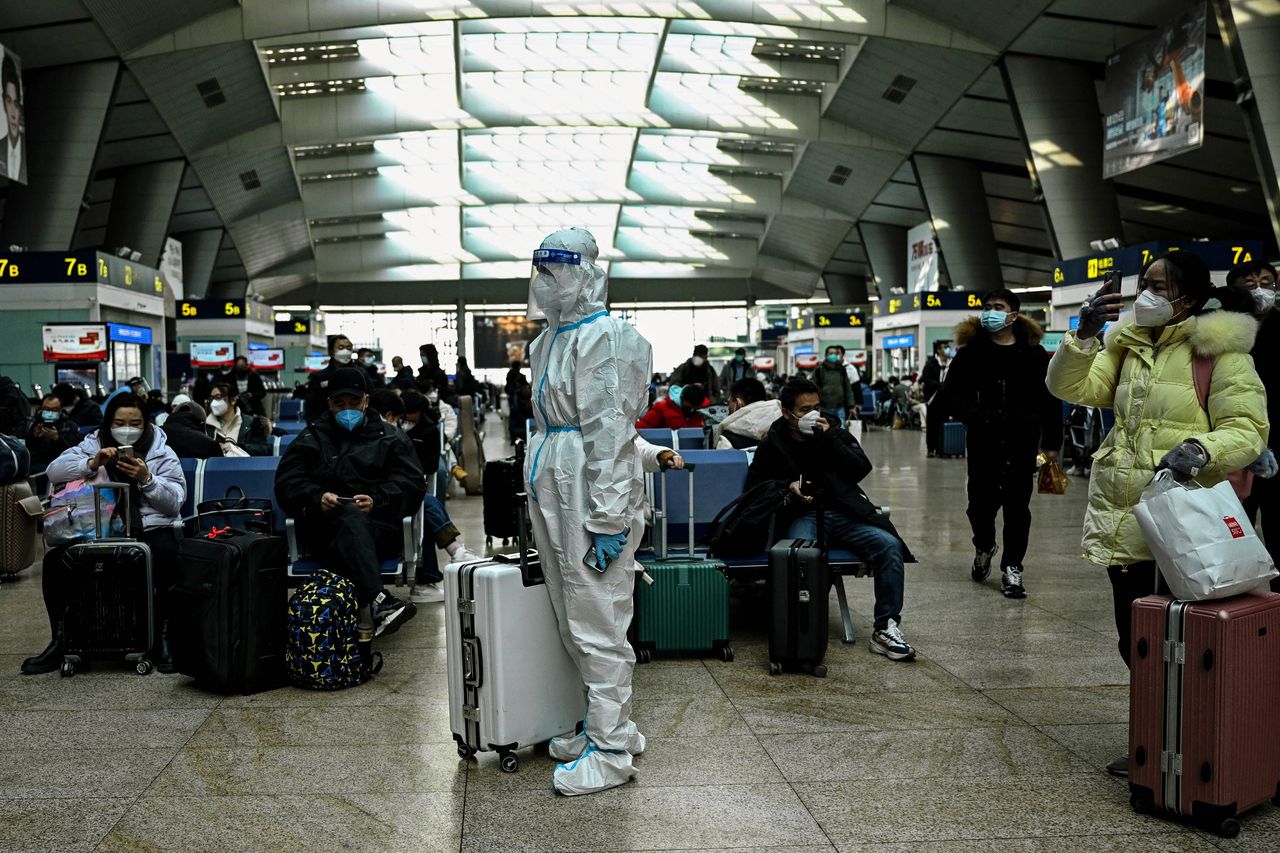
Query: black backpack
point(742, 527)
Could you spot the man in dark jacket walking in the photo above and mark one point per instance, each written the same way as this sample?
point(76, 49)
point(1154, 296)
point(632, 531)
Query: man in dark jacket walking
point(821, 464)
point(252, 391)
point(349, 478)
point(696, 370)
point(996, 385)
point(833, 384)
point(1255, 282)
point(931, 385)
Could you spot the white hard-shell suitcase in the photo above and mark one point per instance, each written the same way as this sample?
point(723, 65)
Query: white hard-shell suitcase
point(511, 682)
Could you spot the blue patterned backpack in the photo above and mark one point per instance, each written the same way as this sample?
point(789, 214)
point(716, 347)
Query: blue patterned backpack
point(323, 651)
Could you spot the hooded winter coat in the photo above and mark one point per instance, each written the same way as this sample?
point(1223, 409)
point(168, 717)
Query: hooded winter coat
point(1152, 390)
point(999, 392)
point(160, 500)
point(748, 426)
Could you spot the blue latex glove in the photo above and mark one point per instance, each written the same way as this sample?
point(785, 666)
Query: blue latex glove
point(608, 546)
point(1185, 461)
point(1265, 466)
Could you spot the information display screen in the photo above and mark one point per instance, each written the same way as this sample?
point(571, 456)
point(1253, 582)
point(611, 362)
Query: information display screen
point(502, 340)
point(314, 363)
point(266, 359)
point(1153, 97)
point(75, 342)
point(13, 150)
point(212, 353)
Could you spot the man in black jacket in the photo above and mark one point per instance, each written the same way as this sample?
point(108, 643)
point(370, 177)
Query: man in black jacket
point(1255, 282)
point(696, 370)
point(341, 354)
point(51, 433)
point(78, 406)
point(821, 464)
point(996, 385)
point(349, 478)
point(931, 384)
point(252, 391)
point(432, 372)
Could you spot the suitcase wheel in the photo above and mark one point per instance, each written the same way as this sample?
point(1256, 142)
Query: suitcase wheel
point(1229, 828)
point(820, 671)
point(775, 668)
point(143, 667)
point(726, 653)
point(465, 752)
point(1141, 804)
point(509, 762)
point(643, 655)
point(68, 669)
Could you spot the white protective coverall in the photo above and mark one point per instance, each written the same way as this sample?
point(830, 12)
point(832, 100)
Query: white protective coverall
point(590, 384)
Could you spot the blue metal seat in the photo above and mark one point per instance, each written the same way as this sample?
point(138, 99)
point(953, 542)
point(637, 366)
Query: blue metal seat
point(280, 443)
point(660, 437)
point(291, 410)
point(691, 438)
point(291, 426)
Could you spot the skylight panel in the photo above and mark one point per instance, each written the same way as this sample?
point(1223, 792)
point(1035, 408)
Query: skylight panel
point(543, 98)
point(683, 148)
point(718, 99)
point(429, 99)
point(713, 54)
point(548, 165)
point(432, 233)
point(688, 182)
point(512, 231)
point(428, 166)
point(666, 244)
point(559, 51)
point(429, 54)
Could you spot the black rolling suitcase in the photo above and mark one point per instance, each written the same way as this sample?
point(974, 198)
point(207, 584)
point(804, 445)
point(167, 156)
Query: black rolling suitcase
point(503, 481)
point(799, 584)
point(110, 600)
point(230, 599)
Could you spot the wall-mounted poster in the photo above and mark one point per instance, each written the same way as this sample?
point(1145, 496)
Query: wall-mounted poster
point(922, 259)
point(75, 342)
point(13, 150)
point(1153, 98)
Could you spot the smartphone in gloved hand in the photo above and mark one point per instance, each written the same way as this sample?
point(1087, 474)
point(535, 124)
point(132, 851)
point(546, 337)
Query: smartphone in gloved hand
point(589, 559)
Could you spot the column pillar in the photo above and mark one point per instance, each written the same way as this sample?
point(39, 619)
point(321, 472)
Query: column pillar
point(141, 207)
point(957, 204)
point(199, 253)
point(1056, 106)
point(886, 247)
point(462, 329)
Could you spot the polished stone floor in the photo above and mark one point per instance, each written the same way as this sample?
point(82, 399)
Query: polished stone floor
point(993, 740)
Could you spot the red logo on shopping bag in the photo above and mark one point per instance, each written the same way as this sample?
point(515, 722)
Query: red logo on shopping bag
point(1237, 532)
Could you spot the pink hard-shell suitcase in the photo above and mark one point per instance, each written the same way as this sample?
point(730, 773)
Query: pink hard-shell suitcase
point(1204, 707)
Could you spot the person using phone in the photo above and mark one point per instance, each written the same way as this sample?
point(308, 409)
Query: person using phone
point(1145, 371)
point(995, 385)
point(231, 426)
point(132, 451)
point(807, 453)
point(51, 433)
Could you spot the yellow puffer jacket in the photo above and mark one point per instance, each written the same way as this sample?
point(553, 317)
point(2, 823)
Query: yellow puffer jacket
point(1153, 393)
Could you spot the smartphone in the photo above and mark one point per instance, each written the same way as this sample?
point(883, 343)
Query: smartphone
point(125, 451)
point(346, 500)
point(1111, 282)
point(589, 558)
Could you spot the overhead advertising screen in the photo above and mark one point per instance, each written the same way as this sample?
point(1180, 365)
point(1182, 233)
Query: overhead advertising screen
point(922, 259)
point(75, 342)
point(266, 359)
point(1153, 98)
point(212, 353)
point(502, 340)
point(13, 150)
point(314, 363)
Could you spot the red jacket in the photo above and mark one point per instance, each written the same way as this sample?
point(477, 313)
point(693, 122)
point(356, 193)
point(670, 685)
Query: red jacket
point(665, 413)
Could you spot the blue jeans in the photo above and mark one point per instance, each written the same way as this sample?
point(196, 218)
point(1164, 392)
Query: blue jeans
point(438, 529)
point(442, 478)
point(879, 548)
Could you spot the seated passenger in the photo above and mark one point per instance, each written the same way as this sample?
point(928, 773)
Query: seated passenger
point(52, 432)
point(750, 416)
point(679, 409)
point(349, 478)
point(15, 461)
point(185, 430)
point(807, 452)
point(230, 426)
point(449, 418)
point(156, 491)
point(78, 406)
point(439, 531)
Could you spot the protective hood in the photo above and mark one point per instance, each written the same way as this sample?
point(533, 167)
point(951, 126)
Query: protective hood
point(566, 284)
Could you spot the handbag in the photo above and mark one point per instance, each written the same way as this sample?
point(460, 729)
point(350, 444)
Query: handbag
point(1052, 480)
point(742, 527)
point(1202, 539)
point(76, 509)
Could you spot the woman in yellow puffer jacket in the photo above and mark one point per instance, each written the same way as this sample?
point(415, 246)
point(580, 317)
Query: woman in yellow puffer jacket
point(1144, 373)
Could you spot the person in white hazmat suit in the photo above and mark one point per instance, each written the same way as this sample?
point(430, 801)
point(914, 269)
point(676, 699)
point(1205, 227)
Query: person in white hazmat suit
point(586, 494)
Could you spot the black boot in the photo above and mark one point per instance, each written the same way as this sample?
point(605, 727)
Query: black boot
point(46, 661)
point(162, 656)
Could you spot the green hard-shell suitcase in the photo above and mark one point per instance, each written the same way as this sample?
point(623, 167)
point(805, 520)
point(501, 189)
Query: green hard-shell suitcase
point(685, 607)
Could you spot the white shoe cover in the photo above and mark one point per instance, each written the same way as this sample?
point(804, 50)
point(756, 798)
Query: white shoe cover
point(596, 770)
point(570, 746)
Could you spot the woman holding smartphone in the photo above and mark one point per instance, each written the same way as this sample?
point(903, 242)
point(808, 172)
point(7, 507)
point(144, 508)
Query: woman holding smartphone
point(1144, 370)
point(132, 451)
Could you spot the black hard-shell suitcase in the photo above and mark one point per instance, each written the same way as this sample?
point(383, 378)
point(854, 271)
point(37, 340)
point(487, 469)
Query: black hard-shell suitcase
point(230, 598)
point(503, 481)
point(110, 600)
point(799, 583)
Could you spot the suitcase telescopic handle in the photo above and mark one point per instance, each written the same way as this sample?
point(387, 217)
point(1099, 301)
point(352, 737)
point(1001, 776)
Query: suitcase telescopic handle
point(123, 489)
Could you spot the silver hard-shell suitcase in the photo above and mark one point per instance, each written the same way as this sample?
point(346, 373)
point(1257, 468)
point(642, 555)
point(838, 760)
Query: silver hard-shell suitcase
point(511, 682)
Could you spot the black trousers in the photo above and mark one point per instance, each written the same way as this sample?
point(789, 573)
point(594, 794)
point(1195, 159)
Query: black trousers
point(354, 544)
point(1266, 497)
point(1001, 479)
point(55, 580)
point(1128, 584)
point(933, 425)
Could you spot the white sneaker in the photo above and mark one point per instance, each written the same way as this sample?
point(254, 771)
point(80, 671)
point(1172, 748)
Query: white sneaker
point(464, 555)
point(427, 593)
point(888, 641)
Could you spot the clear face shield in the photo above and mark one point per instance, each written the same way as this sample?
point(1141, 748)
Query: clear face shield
point(553, 282)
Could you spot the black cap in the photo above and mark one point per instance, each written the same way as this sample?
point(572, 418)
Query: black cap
point(700, 349)
point(347, 380)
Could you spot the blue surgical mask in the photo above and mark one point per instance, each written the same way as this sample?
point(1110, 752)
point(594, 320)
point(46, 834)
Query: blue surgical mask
point(994, 321)
point(49, 416)
point(742, 358)
point(833, 359)
point(674, 393)
point(349, 419)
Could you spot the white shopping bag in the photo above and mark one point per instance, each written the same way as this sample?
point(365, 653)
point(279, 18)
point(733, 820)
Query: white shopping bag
point(1202, 539)
point(854, 426)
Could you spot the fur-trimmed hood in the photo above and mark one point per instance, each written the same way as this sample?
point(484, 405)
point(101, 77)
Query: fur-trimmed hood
point(1024, 327)
point(1211, 334)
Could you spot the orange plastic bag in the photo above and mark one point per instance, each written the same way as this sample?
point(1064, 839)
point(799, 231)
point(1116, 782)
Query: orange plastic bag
point(1053, 480)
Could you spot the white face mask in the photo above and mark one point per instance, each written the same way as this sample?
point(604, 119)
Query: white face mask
point(1264, 299)
point(126, 435)
point(343, 356)
point(218, 407)
point(405, 425)
point(433, 397)
point(1151, 309)
point(808, 421)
